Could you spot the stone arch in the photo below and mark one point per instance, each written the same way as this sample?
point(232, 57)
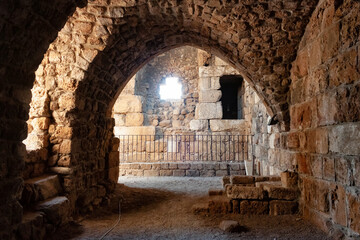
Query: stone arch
point(237, 35)
point(102, 45)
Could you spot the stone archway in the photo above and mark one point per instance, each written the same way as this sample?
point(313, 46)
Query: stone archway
point(128, 34)
point(102, 45)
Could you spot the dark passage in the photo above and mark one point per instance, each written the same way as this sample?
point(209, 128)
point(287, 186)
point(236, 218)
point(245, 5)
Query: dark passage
point(232, 96)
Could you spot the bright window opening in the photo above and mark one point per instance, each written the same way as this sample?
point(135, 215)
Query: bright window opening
point(171, 90)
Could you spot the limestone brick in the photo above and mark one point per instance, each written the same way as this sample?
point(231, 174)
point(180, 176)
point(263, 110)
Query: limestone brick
point(240, 126)
point(128, 104)
point(199, 125)
point(209, 96)
point(208, 111)
point(141, 130)
point(134, 119)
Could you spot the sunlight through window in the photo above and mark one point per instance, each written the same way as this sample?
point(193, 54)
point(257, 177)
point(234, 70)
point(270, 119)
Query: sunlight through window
point(171, 90)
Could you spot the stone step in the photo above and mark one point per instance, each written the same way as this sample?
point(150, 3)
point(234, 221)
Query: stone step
point(57, 210)
point(32, 226)
point(41, 188)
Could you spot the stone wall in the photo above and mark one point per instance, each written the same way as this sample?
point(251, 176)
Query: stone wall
point(325, 102)
point(140, 111)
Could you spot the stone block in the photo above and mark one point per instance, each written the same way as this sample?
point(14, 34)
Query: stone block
point(221, 173)
point(240, 126)
point(236, 206)
point(204, 83)
point(196, 166)
point(166, 173)
point(113, 174)
point(254, 207)
point(345, 139)
point(199, 125)
point(208, 111)
point(220, 62)
point(155, 146)
point(243, 192)
point(145, 166)
point(134, 119)
point(354, 211)
point(173, 166)
point(143, 130)
point(329, 168)
point(183, 166)
point(216, 192)
point(281, 193)
point(207, 173)
point(261, 178)
point(317, 141)
point(230, 226)
point(192, 173)
point(242, 179)
point(211, 71)
point(41, 188)
point(56, 210)
point(151, 173)
point(128, 104)
point(289, 179)
point(179, 173)
point(278, 207)
point(338, 204)
point(220, 205)
point(119, 119)
point(209, 96)
point(164, 166)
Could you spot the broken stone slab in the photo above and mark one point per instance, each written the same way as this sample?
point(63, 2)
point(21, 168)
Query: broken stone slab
point(242, 179)
point(245, 192)
point(208, 111)
point(41, 188)
point(56, 209)
point(128, 104)
point(240, 125)
point(278, 207)
point(281, 193)
point(289, 179)
point(229, 226)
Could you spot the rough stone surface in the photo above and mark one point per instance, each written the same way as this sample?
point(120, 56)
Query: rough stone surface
point(229, 226)
point(208, 111)
point(242, 192)
point(240, 126)
point(128, 104)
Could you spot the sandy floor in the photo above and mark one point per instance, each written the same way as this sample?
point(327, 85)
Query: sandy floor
point(160, 208)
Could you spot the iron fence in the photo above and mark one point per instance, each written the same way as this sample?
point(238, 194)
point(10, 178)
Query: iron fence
point(181, 148)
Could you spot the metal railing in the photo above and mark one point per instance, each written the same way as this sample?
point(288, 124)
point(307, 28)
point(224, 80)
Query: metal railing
point(181, 148)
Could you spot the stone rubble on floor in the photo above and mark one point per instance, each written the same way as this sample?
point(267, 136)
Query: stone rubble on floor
point(253, 195)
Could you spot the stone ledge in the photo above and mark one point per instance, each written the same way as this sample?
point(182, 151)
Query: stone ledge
point(191, 169)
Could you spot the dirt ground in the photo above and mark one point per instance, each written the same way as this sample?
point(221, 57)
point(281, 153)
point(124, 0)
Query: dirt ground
point(160, 208)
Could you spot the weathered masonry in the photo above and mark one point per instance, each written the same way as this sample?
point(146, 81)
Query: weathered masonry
point(74, 58)
point(190, 136)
